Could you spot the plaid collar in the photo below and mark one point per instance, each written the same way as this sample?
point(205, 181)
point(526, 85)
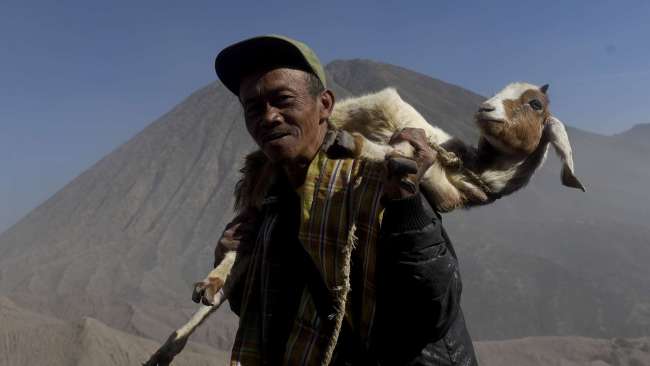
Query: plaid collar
point(340, 217)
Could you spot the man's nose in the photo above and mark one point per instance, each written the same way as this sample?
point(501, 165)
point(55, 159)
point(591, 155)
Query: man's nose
point(271, 115)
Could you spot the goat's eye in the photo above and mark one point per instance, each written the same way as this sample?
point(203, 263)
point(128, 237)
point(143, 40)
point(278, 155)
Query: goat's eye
point(536, 104)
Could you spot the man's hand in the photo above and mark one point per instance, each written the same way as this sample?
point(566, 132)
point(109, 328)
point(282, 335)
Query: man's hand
point(404, 174)
point(242, 228)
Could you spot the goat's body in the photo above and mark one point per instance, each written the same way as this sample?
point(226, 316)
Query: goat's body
point(377, 116)
point(374, 118)
point(479, 176)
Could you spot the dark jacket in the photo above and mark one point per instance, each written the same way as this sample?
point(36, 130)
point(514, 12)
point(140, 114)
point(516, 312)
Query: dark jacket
point(418, 318)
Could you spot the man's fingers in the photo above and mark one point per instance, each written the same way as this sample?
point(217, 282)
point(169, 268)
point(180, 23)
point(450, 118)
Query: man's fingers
point(230, 230)
point(400, 166)
point(242, 232)
point(233, 235)
point(416, 134)
point(229, 243)
point(239, 229)
point(416, 138)
point(423, 154)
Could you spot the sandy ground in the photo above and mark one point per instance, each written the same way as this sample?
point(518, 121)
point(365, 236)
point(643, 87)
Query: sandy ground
point(29, 339)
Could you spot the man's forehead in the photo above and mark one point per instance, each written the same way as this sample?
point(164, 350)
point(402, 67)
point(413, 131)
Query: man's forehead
point(260, 81)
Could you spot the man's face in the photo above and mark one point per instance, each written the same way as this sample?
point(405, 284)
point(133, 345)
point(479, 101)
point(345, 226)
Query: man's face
point(285, 121)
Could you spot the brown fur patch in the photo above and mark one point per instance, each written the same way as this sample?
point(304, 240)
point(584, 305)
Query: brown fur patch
point(523, 130)
point(358, 144)
point(256, 175)
point(216, 283)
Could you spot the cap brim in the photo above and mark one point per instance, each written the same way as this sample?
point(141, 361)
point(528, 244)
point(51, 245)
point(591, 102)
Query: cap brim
point(258, 53)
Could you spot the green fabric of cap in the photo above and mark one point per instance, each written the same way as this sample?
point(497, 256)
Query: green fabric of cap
point(236, 60)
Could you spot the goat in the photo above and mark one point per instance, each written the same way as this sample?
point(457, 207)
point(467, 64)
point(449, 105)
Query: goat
point(516, 130)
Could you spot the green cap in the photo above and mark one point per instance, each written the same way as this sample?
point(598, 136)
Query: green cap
point(235, 61)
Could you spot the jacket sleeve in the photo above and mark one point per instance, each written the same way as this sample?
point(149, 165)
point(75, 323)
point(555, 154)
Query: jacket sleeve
point(237, 290)
point(418, 284)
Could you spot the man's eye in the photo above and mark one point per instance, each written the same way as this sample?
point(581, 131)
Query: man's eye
point(536, 104)
point(252, 110)
point(284, 99)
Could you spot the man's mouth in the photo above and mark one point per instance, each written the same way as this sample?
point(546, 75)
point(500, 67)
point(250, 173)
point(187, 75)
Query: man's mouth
point(274, 136)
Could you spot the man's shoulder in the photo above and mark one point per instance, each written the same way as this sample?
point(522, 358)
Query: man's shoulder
point(336, 174)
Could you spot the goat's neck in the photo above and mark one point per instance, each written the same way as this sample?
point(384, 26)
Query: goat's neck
point(489, 157)
point(505, 173)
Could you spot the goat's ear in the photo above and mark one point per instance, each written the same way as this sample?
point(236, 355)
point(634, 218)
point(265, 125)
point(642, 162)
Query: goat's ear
point(557, 136)
point(544, 88)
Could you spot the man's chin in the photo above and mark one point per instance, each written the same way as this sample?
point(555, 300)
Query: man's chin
point(279, 155)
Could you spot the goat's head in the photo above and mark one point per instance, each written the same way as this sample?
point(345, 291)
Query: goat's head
point(513, 120)
point(517, 118)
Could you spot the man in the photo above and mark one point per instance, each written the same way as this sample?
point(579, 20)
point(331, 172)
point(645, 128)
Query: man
point(346, 266)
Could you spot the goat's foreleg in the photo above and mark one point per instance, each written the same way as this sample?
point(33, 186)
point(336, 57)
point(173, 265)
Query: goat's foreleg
point(439, 190)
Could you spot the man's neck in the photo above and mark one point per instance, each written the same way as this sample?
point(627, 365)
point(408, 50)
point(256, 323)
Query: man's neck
point(296, 173)
point(296, 170)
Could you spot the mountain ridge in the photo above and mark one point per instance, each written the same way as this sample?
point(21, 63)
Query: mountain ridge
point(639, 127)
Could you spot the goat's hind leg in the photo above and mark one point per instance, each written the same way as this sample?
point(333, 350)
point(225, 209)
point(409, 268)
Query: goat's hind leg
point(177, 340)
point(212, 292)
point(207, 290)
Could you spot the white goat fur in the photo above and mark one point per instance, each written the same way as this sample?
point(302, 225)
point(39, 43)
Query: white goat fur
point(377, 116)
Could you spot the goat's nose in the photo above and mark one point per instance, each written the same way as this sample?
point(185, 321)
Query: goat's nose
point(485, 107)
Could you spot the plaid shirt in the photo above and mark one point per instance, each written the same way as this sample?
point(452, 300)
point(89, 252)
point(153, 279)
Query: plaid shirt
point(340, 219)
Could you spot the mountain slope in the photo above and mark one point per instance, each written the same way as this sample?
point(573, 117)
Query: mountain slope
point(565, 351)
point(28, 338)
point(124, 241)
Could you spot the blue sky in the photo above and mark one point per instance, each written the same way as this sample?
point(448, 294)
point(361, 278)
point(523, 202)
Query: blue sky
point(78, 78)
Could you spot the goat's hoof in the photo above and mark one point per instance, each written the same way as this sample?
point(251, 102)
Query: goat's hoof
point(399, 166)
point(204, 292)
point(339, 145)
point(198, 291)
point(166, 353)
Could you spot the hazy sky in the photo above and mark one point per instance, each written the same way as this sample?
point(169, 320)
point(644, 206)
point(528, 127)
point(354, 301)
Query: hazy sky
point(78, 78)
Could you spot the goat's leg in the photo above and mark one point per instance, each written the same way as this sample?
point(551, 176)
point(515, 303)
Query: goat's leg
point(177, 340)
point(439, 191)
point(341, 144)
point(212, 291)
point(206, 290)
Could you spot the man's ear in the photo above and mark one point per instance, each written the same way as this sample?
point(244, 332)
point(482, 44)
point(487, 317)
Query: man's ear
point(326, 100)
